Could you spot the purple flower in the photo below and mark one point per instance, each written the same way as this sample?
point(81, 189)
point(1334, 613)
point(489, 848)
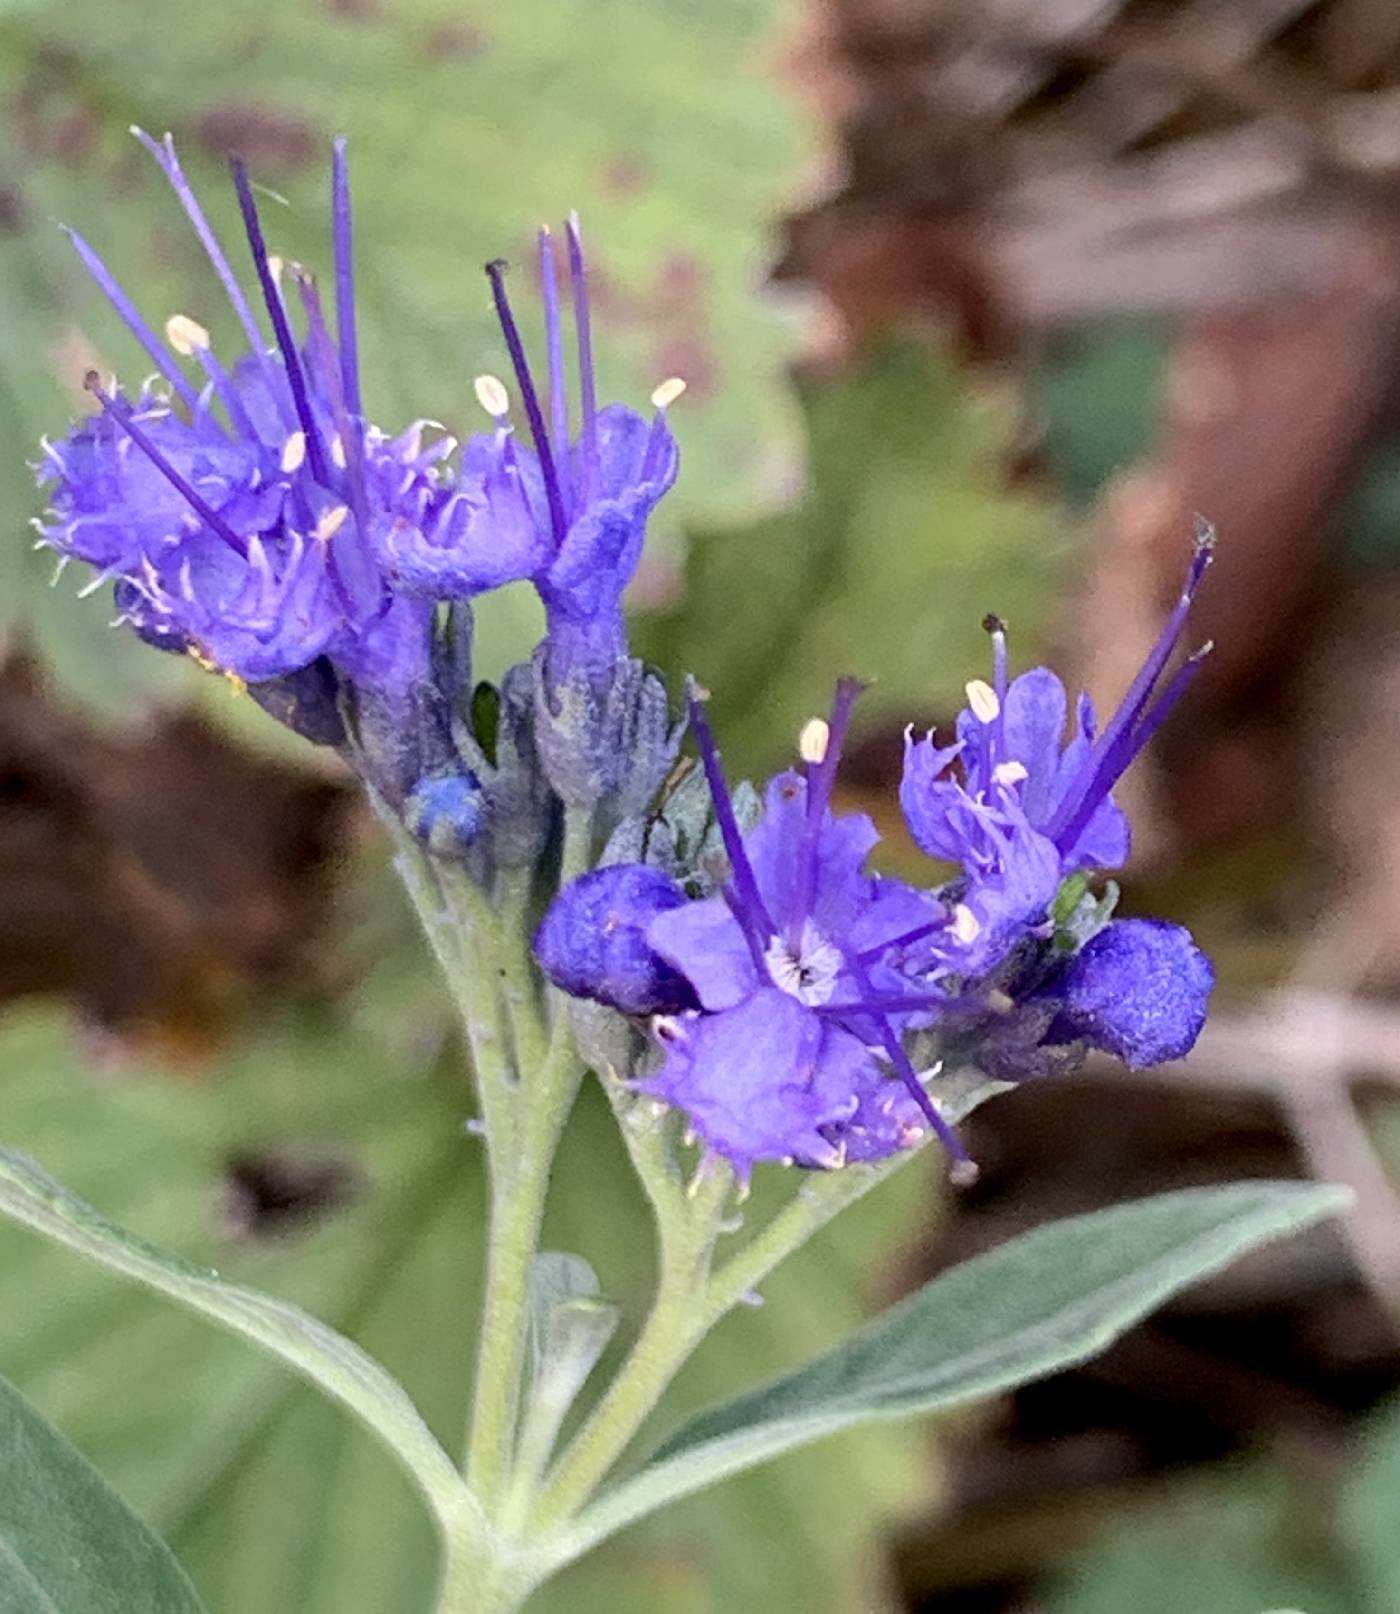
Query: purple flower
point(767, 1080)
point(239, 515)
point(1031, 808)
point(588, 495)
point(778, 1065)
point(592, 943)
point(1138, 990)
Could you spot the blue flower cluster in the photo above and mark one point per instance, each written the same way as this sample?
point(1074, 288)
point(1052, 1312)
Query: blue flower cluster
point(786, 1001)
point(250, 515)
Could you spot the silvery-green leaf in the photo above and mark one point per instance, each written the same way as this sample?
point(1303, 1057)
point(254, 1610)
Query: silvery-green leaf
point(29, 1195)
point(1036, 1305)
point(68, 1543)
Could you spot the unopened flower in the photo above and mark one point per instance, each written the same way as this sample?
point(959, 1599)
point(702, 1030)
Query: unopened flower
point(593, 941)
point(1138, 990)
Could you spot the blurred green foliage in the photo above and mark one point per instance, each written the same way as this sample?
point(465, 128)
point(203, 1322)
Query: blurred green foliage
point(904, 538)
point(1256, 1535)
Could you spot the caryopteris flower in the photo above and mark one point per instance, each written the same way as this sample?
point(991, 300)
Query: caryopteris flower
point(237, 511)
point(779, 1061)
point(589, 485)
point(593, 941)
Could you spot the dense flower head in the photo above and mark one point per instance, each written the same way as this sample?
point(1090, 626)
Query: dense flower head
point(250, 514)
point(814, 978)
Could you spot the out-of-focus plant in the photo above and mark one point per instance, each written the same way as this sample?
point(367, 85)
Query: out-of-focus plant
point(750, 999)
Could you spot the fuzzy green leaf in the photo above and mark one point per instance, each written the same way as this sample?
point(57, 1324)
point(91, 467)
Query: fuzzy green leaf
point(68, 1543)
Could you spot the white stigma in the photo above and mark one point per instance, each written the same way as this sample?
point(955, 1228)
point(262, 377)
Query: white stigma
point(331, 523)
point(814, 739)
point(667, 393)
point(1009, 773)
point(982, 698)
point(492, 396)
point(809, 974)
point(293, 452)
point(187, 336)
point(966, 926)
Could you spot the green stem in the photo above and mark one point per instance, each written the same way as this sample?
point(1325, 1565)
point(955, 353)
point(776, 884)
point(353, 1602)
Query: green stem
point(676, 1325)
point(684, 1312)
point(519, 1185)
point(474, 1583)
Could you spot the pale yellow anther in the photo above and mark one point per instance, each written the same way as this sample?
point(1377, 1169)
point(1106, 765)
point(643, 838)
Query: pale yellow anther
point(187, 336)
point(338, 451)
point(667, 393)
point(814, 739)
point(965, 924)
point(293, 452)
point(1009, 773)
point(331, 523)
point(275, 266)
point(982, 698)
point(491, 394)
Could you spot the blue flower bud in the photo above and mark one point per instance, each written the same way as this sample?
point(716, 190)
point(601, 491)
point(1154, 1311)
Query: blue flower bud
point(1138, 990)
point(592, 942)
point(446, 811)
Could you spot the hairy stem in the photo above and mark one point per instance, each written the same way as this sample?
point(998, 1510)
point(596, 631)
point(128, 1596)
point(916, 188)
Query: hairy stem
point(691, 1299)
point(676, 1325)
point(543, 1096)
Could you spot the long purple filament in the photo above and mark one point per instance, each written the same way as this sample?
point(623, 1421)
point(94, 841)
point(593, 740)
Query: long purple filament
point(554, 346)
point(164, 154)
point(196, 501)
point(286, 343)
point(345, 280)
point(1090, 789)
point(873, 955)
point(821, 779)
point(904, 1069)
point(363, 589)
point(588, 395)
point(1114, 763)
point(746, 885)
point(496, 274)
point(164, 360)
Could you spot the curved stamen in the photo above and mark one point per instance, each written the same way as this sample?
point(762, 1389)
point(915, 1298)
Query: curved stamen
point(873, 955)
point(164, 154)
point(821, 777)
point(588, 394)
point(904, 1069)
point(143, 333)
point(291, 359)
point(345, 280)
point(1116, 761)
point(1125, 719)
point(201, 507)
point(746, 885)
point(191, 339)
point(496, 274)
